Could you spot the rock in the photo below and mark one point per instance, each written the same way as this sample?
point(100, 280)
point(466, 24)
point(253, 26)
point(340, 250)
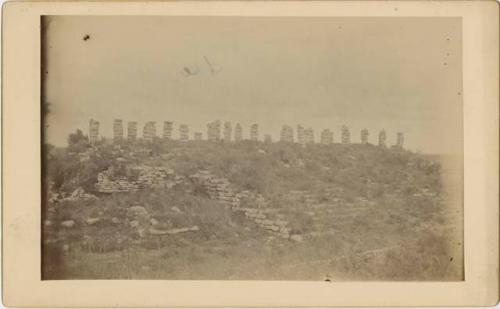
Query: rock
point(68, 223)
point(91, 221)
point(176, 209)
point(134, 223)
point(115, 220)
point(47, 223)
point(153, 221)
point(297, 238)
point(138, 211)
point(65, 247)
point(261, 151)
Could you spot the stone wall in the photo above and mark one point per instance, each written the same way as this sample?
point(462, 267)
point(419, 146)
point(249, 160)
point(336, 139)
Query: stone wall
point(139, 177)
point(221, 190)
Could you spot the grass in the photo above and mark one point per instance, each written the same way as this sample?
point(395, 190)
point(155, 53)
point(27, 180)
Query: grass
point(411, 229)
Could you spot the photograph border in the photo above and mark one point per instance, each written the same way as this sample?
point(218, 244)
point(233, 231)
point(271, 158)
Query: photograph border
point(21, 169)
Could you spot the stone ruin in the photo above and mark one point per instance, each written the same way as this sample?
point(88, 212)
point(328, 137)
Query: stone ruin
point(168, 128)
point(400, 140)
point(300, 135)
point(149, 131)
point(144, 177)
point(346, 135)
point(132, 130)
point(227, 131)
point(198, 136)
point(213, 130)
point(117, 130)
point(364, 136)
point(286, 134)
point(254, 132)
point(326, 137)
point(93, 131)
point(238, 133)
point(253, 205)
point(309, 136)
point(184, 132)
point(382, 138)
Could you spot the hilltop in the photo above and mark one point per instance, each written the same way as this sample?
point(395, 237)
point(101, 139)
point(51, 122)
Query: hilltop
point(249, 210)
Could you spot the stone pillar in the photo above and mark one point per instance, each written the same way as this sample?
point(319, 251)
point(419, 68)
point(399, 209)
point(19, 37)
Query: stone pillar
point(149, 132)
point(326, 137)
point(346, 135)
point(238, 133)
point(184, 132)
point(309, 136)
point(93, 131)
point(300, 135)
point(400, 140)
point(382, 137)
point(286, 134)
point(198, 136)
point(117, 129)
point(268, 139)
point(364, 136)
point(213, 130)
point(227, 131)
point(131, 130)
point(168, 128)
point(254, 132)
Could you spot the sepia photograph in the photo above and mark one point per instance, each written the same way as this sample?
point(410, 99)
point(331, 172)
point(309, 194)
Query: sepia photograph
point(284, 148)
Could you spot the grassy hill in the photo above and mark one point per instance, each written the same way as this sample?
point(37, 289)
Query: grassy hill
point(362, 212)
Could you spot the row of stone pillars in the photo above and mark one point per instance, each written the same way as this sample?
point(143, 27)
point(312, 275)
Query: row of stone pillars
point(216, 132)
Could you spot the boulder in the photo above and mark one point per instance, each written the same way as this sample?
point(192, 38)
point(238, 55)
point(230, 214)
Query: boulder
point(138, 211)
point(91, 221)
point(68, 223)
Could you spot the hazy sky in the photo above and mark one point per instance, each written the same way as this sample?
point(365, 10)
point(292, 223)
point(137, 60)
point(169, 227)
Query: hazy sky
point(401, 74)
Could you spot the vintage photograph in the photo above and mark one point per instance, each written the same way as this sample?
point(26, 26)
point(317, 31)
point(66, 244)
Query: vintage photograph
point(252, 148)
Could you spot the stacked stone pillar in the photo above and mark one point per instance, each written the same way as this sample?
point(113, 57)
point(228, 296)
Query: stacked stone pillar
point(118, 130)
point(213, 130)
point(326, 137)
point(364, 136)
point(238, 133)
point(346, 135)
point(131, 130)
point(254, 132)
point(300, 135)
point(184, 132)
point(93, 131)
point(382, 138)
point(227, 131)
point(286, 134)
point(168, 128)
point(149, 131)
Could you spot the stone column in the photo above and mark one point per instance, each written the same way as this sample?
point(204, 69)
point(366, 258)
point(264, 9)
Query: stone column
point(346, 135)
point(227, 131)
point(254, 132)
point(326, 137)
point(364, 136)
point(238, 133)
point(117, 129)
point(168, 128)
point(131, 130)
point(382, 137)
point(286, 134)
point(300, 135)
point(184, 132)
point(93, 131)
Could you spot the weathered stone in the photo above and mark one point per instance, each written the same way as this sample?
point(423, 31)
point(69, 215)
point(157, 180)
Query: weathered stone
point(68, 223)
point(297, 238)
point(91, 221)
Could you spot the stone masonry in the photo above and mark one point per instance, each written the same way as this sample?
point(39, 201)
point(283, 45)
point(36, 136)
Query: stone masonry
point(131, 130)
point(364, 136)
point(228, 129)
point(184, 132)
point(382, 137)
point(254, 132)
point(168, 128)
point(238, 133)
point(326, 137)
point(117, 130)
point(286, 134)
point(93, 131)
point(346, 135)
point(213, 130)
point(300, 135)
point(149, 131)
